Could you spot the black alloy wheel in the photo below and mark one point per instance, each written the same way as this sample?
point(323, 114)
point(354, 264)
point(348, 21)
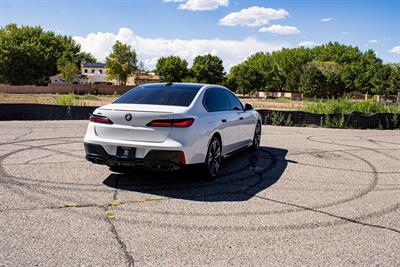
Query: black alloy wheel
point(257, 137)
point(214, 157)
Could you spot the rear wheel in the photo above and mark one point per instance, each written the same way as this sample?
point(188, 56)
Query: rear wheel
point(257, 137)
point(213, 158)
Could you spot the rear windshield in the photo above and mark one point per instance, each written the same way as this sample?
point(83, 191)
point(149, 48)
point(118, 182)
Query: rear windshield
point(159, 95)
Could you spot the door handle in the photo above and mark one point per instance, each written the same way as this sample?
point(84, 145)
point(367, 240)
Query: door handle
point(223, 120)
point(241, 118)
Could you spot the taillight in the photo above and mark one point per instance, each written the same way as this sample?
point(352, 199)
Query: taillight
point(180, 123)
point(182, 158)
point(99, 119)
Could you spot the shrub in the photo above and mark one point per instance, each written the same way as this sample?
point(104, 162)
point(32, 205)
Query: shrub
point(346, 106)
point(70, 100)
point(277, 118)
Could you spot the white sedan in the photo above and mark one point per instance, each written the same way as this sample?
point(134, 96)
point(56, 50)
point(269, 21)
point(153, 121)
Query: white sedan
point(166, 126)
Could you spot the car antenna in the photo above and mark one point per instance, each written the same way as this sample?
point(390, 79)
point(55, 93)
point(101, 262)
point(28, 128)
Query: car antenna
point(169, 84)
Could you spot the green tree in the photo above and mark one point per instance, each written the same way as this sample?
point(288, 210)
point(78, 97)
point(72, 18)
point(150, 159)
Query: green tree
point(368, 65)
point(68, 71)
point(381, 81)
point(263, 62)
point(312, 82)
point(333, 85)
point(288, 66)
point(230, 80)
point(249, 79)
point(86, 57)
point(121, 62)
point(350, 73)
point(172, 69)
point(208, 69)
point(29, 55)
point(339, 53)
point(394, 83)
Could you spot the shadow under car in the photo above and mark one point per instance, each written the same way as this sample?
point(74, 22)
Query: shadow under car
point(242, 176)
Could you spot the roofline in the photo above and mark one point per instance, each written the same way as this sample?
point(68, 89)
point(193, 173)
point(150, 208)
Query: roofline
point(183, 83)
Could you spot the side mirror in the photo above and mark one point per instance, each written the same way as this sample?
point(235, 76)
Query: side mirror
point(248, 106)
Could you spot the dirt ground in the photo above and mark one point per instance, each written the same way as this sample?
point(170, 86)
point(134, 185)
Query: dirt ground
point(99, 100)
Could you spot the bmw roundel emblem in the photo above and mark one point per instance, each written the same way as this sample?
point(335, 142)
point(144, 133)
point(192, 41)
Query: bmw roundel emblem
point(128, 116)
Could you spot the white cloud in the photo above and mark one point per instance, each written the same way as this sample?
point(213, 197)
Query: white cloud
point(149, 49)
point(307, 44)
point(326, 19)
point(201, 5)
point(395, 50)
point(253, 16)
point(279, 29)
point(373, 41)
point(345, 33)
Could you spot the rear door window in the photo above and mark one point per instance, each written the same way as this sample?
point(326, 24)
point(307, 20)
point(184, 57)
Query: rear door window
point(234, 102)
point(215, 99)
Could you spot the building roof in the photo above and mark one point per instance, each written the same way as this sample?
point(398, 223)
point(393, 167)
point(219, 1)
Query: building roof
point(93, 65)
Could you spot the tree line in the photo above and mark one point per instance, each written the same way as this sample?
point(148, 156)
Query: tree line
point(325, 71)
point(30, 55)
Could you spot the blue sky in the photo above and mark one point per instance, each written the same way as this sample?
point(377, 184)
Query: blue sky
point(232, 29)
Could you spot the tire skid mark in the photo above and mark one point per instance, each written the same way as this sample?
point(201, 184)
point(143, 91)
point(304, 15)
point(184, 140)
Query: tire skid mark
point(262, 175)
point(371, 186)
point(312, 225)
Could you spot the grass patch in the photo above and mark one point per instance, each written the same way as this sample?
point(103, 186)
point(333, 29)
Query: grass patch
point(87, 97)
point(280, 100)
point(346, 106)
point(72, 100)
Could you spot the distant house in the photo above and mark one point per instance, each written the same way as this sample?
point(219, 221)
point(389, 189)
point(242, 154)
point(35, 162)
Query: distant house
point(90, 73)
point(95, 73)
point(92, 68)
point(142, 77)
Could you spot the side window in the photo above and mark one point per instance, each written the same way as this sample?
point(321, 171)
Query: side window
point(235, 103)
point(215, 99)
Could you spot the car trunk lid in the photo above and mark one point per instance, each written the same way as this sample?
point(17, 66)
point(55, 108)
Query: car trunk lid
point(130, 122)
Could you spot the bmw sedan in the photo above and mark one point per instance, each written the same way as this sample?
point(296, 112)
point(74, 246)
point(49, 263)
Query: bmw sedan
point(167, 126)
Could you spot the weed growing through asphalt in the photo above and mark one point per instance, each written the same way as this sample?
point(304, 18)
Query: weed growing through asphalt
point(152, 198)
point(70, 205)
point(110, 214)
point(116, 202)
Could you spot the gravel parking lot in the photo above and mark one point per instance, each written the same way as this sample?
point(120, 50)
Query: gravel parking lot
point(309, 196)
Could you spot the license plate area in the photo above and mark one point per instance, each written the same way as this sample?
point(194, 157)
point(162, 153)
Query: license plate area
point(126, 152)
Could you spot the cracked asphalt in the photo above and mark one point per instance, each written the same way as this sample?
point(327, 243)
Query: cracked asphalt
point(309, 196)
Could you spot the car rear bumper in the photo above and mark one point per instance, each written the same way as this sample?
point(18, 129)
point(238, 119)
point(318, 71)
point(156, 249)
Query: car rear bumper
point(160, 160)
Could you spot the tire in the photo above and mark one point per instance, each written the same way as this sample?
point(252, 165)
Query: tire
point(213, 160)
point(257, 137)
